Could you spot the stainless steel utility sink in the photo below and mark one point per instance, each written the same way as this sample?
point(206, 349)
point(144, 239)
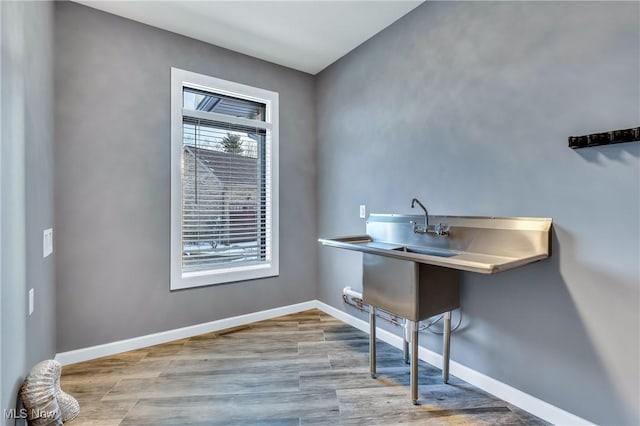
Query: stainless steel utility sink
point(414, 272)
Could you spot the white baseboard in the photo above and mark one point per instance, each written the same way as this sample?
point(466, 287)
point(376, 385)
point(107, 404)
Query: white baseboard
point(99, 351)
point(531, 404)
point(501, 390)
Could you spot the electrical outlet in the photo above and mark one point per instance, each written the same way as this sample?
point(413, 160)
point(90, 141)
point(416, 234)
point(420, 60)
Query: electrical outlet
point(363, 211)
point(31, 301)
point(47, 242)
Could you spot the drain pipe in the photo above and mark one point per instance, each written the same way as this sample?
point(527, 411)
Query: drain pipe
point(354, 298)
point(349, 292)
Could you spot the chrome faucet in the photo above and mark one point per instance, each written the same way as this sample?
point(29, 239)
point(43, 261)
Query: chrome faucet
point(439, 229)
point(416, 228)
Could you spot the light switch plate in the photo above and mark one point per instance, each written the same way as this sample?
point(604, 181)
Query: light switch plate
point(363, 211)
point(47, 242)
point(31, 301)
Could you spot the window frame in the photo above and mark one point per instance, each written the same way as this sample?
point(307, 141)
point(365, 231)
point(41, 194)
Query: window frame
point(180, 79)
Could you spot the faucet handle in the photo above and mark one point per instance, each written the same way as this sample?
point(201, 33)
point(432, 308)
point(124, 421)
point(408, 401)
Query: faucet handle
point(441, 229)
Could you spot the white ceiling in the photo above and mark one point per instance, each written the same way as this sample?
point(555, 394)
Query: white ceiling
point(304, 35)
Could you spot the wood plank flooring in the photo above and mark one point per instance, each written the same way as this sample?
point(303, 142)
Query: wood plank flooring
point(301, 369)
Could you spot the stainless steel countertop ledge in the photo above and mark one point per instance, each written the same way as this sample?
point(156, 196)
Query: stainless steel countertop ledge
point(485, 245)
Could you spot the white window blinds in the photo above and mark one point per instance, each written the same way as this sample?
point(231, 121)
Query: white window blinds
point(224, 197)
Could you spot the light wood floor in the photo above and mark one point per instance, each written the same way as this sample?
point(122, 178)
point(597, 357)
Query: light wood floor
point(301, 369)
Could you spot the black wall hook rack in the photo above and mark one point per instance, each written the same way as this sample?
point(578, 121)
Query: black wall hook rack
point(605, 138)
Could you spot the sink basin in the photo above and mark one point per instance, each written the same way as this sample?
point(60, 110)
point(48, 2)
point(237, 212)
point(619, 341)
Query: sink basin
point(427, 251)
point(409, 289)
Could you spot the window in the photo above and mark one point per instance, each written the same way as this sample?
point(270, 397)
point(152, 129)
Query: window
point(224, 181)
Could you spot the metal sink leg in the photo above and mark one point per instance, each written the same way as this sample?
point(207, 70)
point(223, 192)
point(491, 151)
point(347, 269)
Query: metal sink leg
point(446, 344)
point(411, 331)
point(414, 362)
point(372, 341)
point(405, 341)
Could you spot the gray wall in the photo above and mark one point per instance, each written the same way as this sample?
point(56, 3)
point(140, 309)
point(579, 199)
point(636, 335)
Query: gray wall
point(112, 180)
point(27, 191)
point(468, 107)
